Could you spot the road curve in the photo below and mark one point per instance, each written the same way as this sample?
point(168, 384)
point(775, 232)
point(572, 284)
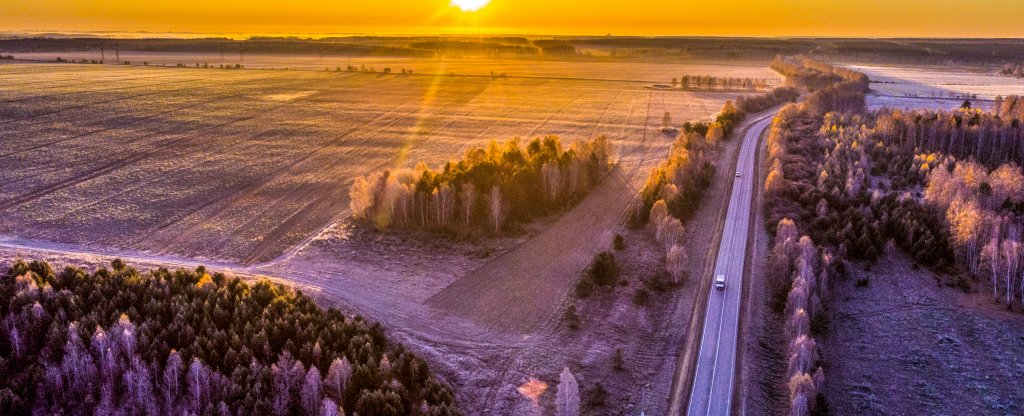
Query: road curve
point(712, 389)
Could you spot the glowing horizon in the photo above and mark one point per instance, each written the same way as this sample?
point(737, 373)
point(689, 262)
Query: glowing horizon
point(865, 18)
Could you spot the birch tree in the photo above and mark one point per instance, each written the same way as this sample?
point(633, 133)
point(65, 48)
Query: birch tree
point(338, 376)
point(567, 399)
point(497, 209)
point(675, 263)
point(1011, 252)
point(311, 392)
point(992, 259)
point(468, 197)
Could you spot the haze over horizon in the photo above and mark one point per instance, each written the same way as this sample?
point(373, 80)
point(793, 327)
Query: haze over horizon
point(866, 18)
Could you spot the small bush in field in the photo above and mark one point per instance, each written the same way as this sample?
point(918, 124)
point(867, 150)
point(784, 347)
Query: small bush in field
point(572, 318)
point(619, 242)
point(618, 361)
point(584, 288)
point(641, 297)
point(603, 270)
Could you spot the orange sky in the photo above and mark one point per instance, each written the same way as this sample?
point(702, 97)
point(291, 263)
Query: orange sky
point(874, 18)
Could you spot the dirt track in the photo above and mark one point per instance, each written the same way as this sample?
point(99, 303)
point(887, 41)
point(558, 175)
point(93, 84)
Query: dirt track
point(520, 290)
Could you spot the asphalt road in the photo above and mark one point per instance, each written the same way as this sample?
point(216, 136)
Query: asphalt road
point(716, 363)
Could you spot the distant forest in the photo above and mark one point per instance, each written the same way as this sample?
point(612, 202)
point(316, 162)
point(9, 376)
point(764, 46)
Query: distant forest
point(889, 50)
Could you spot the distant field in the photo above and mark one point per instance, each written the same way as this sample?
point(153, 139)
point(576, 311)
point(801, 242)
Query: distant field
point(623, 70)
point(939, 81)
point(240, 165)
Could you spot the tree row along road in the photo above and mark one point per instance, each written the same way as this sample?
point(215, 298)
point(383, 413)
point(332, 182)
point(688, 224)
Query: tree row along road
point(712, 389)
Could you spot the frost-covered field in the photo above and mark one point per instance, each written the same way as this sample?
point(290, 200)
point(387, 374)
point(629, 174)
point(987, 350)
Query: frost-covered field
point(935, 87)
point(904, 345)
point(239, 165)
point(877, 101)
point(940, 81)
point(621, 70)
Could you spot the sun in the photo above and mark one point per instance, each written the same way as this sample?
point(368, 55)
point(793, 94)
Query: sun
point(470, 5)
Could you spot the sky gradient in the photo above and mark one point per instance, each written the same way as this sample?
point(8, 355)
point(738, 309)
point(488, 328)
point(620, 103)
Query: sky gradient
point(849, 18)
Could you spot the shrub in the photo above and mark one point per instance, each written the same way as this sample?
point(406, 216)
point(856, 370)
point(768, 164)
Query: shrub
point(619, 242)
point(641, 297)
point(603, 270)
point(659, 282)
point(572, 318)
point(584, 287)
point(618, 362)
point(598, 396)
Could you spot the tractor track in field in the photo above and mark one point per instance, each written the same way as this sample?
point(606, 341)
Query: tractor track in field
point(101, 90)
point(137, 120)
point(75, 107)
point(290, 252)
point(135, 140)
point(261, 250)
point(250, 188)
point(111, 166)
point(62, 83)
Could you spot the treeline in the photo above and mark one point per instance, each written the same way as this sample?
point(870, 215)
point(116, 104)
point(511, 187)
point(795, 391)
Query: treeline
point(119, 342)
point(825, 175)
point(798, 277)
point(815, 185)
point(709, 82)
point(732, 114)
point(674, 188)
point(814, 75)
point(230, 47)
point(672, 193)
point(555, 47)
point(680, 179)
point(758, 103)
point(1013, 69)
point(480, 47)
point(486, 191)
point(984, 212)
point(966, 133)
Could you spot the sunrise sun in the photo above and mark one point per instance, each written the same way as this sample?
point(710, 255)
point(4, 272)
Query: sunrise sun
point(470, 5)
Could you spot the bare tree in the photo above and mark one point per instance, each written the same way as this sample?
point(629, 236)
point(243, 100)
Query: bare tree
point(567, 400)
point(991, 258)
point(338, 376)
point(497, 209)
point(171, 381)
point(468, 202)
point(329, 408)
point(311, 393)
point(659, 211)
point(675, 262)
point(198, 386)
point(1011, 251)
point(552, 177)
point(285, 381)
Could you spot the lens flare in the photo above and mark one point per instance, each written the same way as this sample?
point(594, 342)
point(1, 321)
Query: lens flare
point(470, 5)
